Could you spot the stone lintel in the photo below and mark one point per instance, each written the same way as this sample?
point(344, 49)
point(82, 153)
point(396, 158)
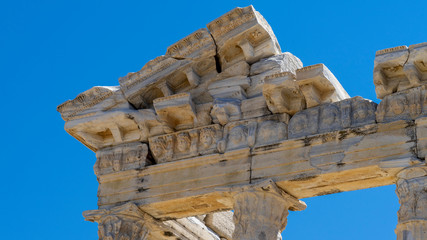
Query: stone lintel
point(343, 160)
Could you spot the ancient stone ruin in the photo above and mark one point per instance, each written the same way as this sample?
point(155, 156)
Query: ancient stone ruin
point(226, 121)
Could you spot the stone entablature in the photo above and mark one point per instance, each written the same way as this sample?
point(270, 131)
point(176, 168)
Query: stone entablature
point(224, 109)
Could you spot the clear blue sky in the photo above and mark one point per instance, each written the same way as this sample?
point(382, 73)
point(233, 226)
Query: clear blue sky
point(52, 50)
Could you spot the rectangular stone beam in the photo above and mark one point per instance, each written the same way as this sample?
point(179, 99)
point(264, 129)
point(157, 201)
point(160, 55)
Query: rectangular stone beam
point(343, 160)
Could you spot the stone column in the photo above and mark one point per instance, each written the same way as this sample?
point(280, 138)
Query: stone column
point(412, 192)
point(125, 222)
point(261, 210)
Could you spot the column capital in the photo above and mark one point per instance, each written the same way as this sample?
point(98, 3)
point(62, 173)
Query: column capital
point(261, 210)
point(412, 192)
point(125, 222)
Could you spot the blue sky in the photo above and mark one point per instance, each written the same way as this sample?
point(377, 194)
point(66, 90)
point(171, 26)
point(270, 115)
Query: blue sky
point(52, 50)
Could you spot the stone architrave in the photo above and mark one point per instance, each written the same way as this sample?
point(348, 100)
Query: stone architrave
point(261, 211)
point(319, 85)
point(412, 192)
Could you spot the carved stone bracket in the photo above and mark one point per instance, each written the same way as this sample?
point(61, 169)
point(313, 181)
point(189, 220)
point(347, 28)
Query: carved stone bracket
point(125, 222)
point(243, 34)
point(319, 85)
point(412, 192)
point(400, 68)
point(261, 210)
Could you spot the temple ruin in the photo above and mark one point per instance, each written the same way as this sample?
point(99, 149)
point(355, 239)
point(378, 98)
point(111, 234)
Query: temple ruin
point(227, 121)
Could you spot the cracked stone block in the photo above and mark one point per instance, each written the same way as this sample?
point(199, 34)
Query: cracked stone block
point(389, 76)
point(319, 85)
point(284, 62)
point(416, 67)
point(181, 69)
point(243, 34)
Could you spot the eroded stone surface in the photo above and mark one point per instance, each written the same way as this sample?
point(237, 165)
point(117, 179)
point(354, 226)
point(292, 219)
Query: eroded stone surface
point(412, 192)
point(243, 34)
point(201, 129)
point(400, 68)
point(319, 85)
point(352, 112)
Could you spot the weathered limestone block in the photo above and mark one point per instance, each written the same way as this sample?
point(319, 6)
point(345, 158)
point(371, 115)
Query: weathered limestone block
point(412, 192)
point(329, 117)
point(115, 127)
point(416, 67)
point(261, 211)
point(319, 85)
point(404, 105)
point(421, 132)
point(284, 62)
point(121, 158)
point(129, 222)
point(389, 76)
point(282, 93)
point(123, 222)
point(204, 92)
point(221, 223)
point(101, 117)
point(254, 132)
point(243, 34)
point(185, 144)
point(254, 107)
point(203, 114)
point(226, 110)
point(233, 87)
point(181, 69)
point(191, 228)
point(198, 45)
point(343, 160)
point(93, 102)
point(177, 110)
